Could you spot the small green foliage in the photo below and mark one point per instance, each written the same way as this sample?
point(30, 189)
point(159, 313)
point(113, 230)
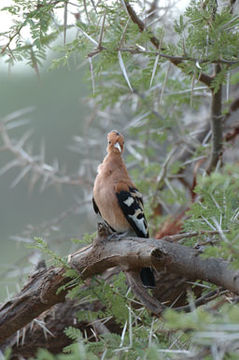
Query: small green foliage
point(86, 239)
point(76, 351)
point(203, 326)
point(42, 245)
point(73, 333)
point(113, 297)
point(7, 354)
point(219, 79)
point(188, 322)
point(180, 25)
point(44, 354)
point(217, 210)
point(235, 78)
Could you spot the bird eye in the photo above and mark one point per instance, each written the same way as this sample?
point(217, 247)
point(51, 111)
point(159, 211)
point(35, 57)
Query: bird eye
point(109, 142)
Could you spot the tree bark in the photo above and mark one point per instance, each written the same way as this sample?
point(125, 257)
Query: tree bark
point(130, 254)
point(216, 126)
point(38, 295)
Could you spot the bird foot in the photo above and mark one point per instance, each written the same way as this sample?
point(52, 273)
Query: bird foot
point(117, 236)
point(103, 230)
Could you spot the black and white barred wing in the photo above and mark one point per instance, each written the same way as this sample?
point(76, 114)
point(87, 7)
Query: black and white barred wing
point(131, 203)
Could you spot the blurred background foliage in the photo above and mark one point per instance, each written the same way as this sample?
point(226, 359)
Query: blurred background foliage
point(57, 111)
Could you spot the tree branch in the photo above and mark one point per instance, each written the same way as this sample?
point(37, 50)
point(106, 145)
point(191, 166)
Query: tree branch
point(130, 254)
point(48, 330)
point(38, 295)
point(134, 253)
point(177, 61)
point(216, 126)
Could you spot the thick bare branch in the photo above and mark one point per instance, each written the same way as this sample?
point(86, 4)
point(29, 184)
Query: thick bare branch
point(133, 253)
point(47, 331)
point(38, 295)
point(130, 254)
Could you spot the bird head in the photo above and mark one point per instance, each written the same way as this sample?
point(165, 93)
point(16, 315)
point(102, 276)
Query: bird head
point(115, 142)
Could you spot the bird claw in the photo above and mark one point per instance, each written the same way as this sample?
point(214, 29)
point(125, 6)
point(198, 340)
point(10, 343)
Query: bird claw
point(103, 229)
point(117, 236)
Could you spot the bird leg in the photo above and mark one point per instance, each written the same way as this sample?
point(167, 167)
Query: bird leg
point(103, 229)
point(117, 236)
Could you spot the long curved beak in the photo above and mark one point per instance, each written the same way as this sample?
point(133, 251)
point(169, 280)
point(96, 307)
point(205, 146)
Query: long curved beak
point(117, 146)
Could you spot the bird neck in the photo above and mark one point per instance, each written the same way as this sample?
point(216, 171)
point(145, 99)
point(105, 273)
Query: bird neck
point(114, 161)
point(114, 156)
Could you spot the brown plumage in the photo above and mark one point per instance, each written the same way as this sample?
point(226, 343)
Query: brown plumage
point(116, 198)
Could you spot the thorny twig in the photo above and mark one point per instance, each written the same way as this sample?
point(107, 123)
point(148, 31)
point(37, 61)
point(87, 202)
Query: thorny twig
point(181, 236)
point(204, 299)
point(203, 77)
point(34, 164)
point(172, 58)
point(11, 38)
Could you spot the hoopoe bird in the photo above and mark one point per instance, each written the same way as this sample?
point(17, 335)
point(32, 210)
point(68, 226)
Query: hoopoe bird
point(117, 200)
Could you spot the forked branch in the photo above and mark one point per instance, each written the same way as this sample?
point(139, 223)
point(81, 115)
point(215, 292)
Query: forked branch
point(203, 77)
point(130, 254)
